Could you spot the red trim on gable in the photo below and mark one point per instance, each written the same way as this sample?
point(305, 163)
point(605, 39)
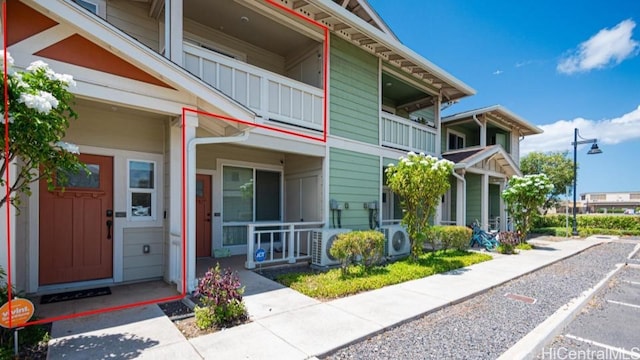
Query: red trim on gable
point(24, 22)
point(80, 51)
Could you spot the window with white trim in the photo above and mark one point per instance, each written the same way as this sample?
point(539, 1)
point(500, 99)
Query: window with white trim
point(142, 190)
point(455, 140)
point(97, 7)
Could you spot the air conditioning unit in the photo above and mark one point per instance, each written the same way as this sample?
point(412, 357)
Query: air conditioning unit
point(321, 241)
point(396, 241)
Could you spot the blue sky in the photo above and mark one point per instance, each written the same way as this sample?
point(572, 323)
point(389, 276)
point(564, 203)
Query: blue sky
point(558, 64)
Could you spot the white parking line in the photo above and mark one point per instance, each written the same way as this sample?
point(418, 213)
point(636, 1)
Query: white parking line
point(631, 354)
point(624, 303)
point(631, 282)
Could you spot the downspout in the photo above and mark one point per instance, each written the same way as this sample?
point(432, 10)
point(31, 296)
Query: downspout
point(475, 118)
point(191, 196)
point(464, 196)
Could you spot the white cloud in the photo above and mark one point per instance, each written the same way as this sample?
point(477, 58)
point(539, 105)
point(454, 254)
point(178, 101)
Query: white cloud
point(607, 47)
point(498, 72)
point(559, 135)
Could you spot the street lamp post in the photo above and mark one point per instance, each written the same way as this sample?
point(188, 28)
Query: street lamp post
point(594, 150)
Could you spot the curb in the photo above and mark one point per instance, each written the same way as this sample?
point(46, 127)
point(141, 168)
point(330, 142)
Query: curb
point(529, 346)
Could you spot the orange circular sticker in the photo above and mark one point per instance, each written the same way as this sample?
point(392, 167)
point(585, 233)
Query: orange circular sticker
point(21, 312)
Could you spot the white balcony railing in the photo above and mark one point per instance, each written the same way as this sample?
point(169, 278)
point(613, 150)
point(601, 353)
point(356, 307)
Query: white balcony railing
point(282, 242)
point(405, 134)
point(270, 95)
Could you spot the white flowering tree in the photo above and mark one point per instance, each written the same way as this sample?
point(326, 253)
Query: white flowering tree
point(39, 109)
point(524, 196)
point(420, 181)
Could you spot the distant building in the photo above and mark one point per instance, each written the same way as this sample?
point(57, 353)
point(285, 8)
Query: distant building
point(601, 202)
point(598, 202)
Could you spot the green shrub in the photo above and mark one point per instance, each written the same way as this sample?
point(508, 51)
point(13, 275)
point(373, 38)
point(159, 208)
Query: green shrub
point(584, 231)
point(204, 317)
point(619, 222)
point(332, 284)
point(524, 246)
point(365, 247)
point(449, 237)
point(505, 249)
point(220, 293)
point(508, 242)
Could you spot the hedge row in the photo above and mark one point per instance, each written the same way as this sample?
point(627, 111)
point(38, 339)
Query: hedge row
point(610, 222)
point(584, 231)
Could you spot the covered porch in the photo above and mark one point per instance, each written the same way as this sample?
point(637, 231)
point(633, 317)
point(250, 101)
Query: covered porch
point(480, 175)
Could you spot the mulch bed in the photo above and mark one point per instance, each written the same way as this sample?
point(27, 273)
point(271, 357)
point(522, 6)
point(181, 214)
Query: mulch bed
point(184, 319)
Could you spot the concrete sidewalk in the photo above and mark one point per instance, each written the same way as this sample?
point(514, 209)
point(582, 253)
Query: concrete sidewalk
point(288, 325)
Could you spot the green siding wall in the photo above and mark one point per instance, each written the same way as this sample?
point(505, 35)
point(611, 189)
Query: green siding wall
point(453, 182)
point(354, 103)
point(471, 138)
point(354, 178)
point(474, 206)
point(494, 200)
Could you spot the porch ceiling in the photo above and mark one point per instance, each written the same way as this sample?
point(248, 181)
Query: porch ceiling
point(243, 22)
point(352, 20)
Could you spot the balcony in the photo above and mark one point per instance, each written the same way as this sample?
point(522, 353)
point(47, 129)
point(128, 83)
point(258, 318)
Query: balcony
point(404, 134)
point(271, 96)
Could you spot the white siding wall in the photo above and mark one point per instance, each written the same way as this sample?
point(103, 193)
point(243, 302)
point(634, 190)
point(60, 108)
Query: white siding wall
point(132, 17)
point(136, 264)
point(105, 127)
point(254, 55)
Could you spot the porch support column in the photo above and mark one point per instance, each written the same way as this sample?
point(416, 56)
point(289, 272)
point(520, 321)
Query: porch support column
point(483, 132)
point(503, 209)
point(484, 201)
point(436, 119)
point(190, 124)
point(175, 203)
point(173, 30)
point(176, 234)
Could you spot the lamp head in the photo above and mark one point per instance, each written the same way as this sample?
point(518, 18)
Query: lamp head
point(594, 150)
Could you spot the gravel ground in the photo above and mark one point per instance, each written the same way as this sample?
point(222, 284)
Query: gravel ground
point(487, 325)
point(562, 346)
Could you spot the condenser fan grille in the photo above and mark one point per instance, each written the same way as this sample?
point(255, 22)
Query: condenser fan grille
point(398, 241)
point(328, 247)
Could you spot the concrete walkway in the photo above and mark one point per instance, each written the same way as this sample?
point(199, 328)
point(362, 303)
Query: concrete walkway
point(288, 325)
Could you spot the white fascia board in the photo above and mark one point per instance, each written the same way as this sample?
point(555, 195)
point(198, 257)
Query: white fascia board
point(390, 42)
point(377, 18)
point(130, 49)
point(498, 108)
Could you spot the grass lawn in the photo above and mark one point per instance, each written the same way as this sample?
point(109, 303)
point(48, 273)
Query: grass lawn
point(331, 284)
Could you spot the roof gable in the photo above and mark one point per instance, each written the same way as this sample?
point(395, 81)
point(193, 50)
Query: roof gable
point(364, 11)
point(78, 50)
point(469, 158)
point(497, 114)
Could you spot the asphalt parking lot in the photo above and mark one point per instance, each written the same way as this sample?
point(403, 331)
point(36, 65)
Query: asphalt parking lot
point(608, 327)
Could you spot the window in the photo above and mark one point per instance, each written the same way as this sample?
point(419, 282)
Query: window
point(248, 195)
point(97, 7)
point(455, 140)
point(142, 190)
point(81, 179)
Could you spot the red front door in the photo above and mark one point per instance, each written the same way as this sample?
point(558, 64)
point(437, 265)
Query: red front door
point(76, 241)
point(203, 215)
